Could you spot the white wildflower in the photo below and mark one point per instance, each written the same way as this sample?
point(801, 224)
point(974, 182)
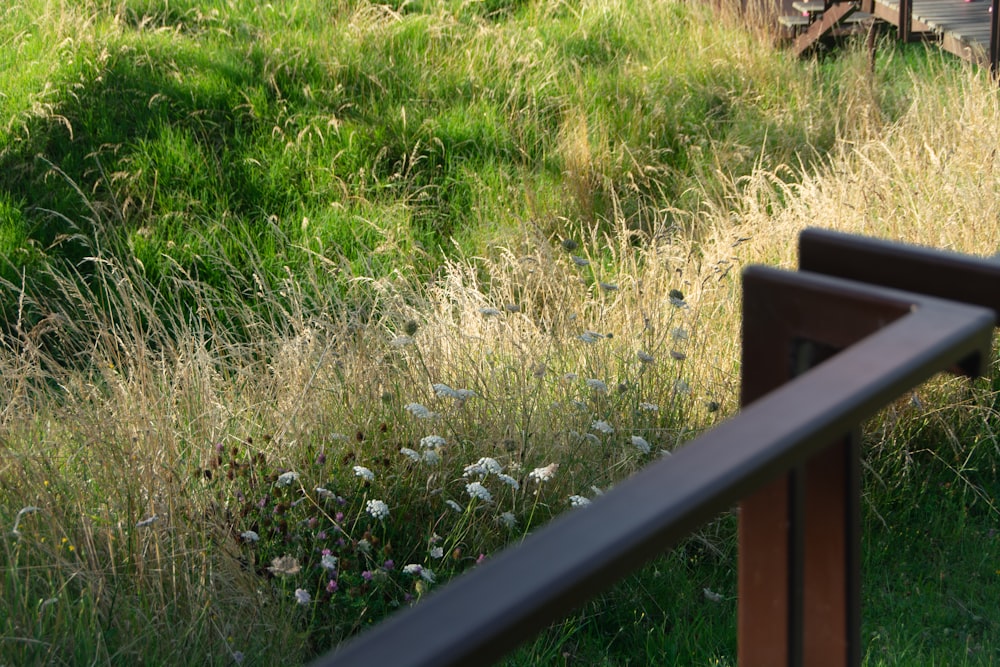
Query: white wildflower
point(364, 473)
point(591, 439)
point(682, 387)
point(410, 454)
point(645, 357)
point(492, 465)
point(455, 506)
point(570, 377)
point(444, 390)
point(602, 426)
point(640, 443)
point(339, 436)
point(432, 442)
point(286, 479)
point(431, 457)
point(364, 546)
point(377, 508)
point(325, 494)
point(679, 333)
point(419, 411)
point(597, 385)
point(649, 407)
point(328, 562)
point(419, 570)
point(401, 341)
point(579, 501)
point(489, 312)
point(302, 596)
point(437, 552)
point(474, 469)
point(249, 536)
point(544, 474)
point(477, 490)
point(580, 405)
point(590, 336)
point(285, 566)
point(509, 481)
point(711, 595)
point(483, 467)
point(464, 394)
point(507, 520)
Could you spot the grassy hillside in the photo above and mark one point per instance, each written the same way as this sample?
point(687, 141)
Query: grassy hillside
point(309, 306)
point(361, 133)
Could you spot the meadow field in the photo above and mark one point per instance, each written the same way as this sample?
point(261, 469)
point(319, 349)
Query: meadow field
point(310, 305)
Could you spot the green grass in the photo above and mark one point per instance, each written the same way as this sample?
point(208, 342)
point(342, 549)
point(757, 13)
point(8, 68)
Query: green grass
point(932, 547)
point(242, 240)
point(440, 128)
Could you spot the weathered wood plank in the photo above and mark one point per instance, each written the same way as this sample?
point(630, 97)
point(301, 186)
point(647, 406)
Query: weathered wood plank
point(964, 27)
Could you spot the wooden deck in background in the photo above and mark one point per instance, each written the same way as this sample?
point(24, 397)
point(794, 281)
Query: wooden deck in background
point(962, 28)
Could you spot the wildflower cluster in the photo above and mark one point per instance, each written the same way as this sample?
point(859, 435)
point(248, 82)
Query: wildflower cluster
point(327, 532)
point(367, 524)
point(321, 534)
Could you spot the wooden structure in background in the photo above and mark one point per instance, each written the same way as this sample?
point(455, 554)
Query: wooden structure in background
point(966, 29)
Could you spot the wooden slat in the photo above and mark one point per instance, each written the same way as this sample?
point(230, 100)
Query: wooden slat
point(793, 21)
point(811, 7)
point(963, 27)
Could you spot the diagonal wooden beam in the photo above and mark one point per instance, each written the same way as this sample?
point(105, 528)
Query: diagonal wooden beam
point(830, 19)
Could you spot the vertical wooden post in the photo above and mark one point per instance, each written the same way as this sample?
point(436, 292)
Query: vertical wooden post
point(995, 38)
point(905, 20)
point(799, 587)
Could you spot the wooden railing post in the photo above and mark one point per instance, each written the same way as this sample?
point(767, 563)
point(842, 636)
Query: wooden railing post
point(905, 21)
point(995, 37)
point(799, 583)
